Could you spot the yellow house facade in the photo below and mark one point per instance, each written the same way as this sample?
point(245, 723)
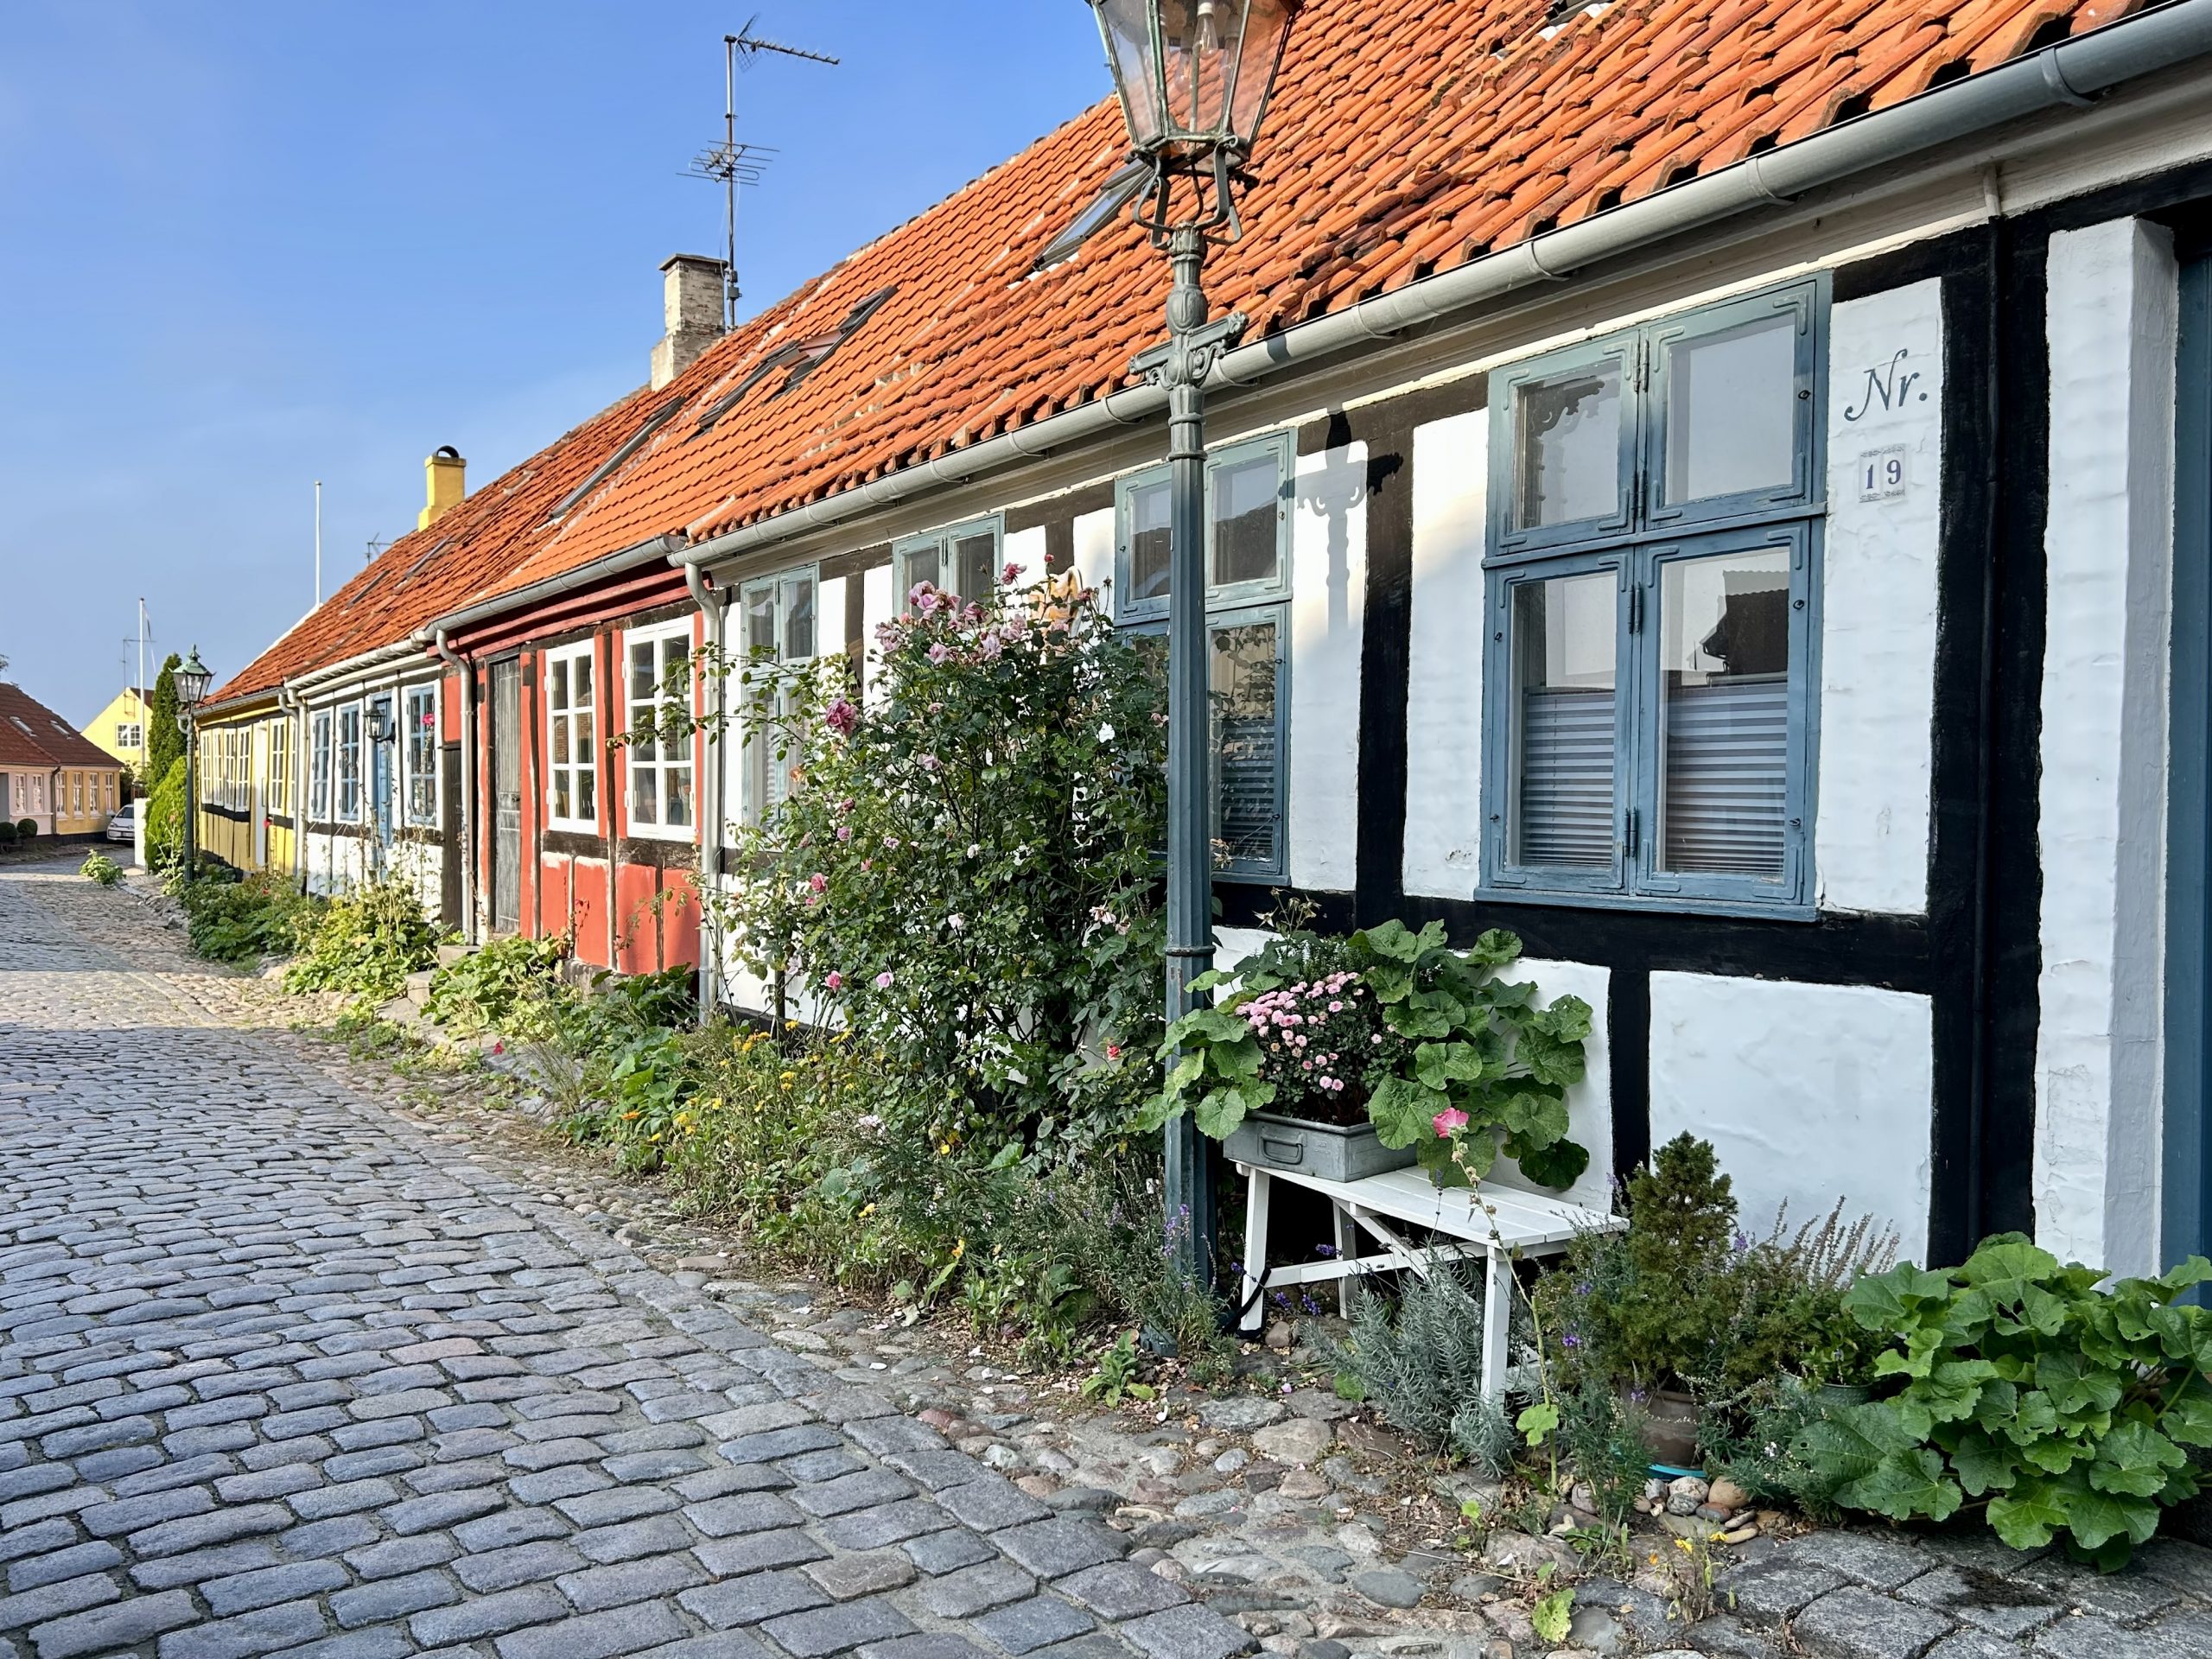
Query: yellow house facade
point(50, 776)
point(121, 729)
point(245, 777)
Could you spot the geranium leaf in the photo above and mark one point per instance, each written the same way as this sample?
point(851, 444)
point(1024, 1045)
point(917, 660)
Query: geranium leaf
point(1984, 1465)
point(2029, 1515)
point(1557, 1165)
point(1904, 1484)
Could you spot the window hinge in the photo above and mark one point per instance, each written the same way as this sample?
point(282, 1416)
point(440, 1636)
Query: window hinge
point(1635, 610)
point(1633, 838)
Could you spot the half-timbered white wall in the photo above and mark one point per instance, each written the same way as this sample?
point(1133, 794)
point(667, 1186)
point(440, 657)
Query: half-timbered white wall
point(2113, 309)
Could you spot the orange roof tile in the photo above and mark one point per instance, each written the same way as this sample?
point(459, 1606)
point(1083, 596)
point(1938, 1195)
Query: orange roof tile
point(33, 736)
point(1401, 141)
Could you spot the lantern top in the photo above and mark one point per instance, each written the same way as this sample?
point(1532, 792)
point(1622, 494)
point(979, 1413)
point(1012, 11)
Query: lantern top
point(1193, 75)
point(191, 680)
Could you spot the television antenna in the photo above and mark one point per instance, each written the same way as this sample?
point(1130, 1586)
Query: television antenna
point(730, 163)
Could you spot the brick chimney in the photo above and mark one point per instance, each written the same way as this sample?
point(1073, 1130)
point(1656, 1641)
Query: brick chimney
point(691, 304)
point(445, 480)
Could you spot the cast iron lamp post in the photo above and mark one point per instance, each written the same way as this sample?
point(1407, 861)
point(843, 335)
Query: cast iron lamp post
point(1193, 77)
point(191, 682)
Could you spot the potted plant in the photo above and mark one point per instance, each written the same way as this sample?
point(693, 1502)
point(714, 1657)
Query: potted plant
point(1344, 1057)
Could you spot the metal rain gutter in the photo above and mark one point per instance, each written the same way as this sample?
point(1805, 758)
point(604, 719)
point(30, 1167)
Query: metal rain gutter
point(658, 549)
point(466, 852)
point(2071, 74)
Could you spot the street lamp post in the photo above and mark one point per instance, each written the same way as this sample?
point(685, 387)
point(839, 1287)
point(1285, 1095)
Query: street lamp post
point(1193, 77)
point(191, 682)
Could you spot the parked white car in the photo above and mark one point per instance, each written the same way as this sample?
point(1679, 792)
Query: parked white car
point(124, 826)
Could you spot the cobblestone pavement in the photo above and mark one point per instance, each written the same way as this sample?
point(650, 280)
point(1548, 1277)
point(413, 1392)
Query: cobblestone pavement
point(280, 1374)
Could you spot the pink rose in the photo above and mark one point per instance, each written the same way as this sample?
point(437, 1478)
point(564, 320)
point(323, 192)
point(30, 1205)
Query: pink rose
point(818, 882)
point(1449, 1122)
point(883, 981)
point(834, 980)
point(841, 716)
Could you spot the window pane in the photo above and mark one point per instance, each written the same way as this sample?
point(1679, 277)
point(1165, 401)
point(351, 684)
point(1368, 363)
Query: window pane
point(761, 620)
point(558, 698)
point(561, 793)
point(799, 619)
point(1246, 546)
point(679, 794)
point(1242, 680)
point(644, 794)
point(641, 671)
point(1147, 542)
point(560, 740)
point(1564, 634)
point(581, 678)
point(923, 564)
point(1724, 671)
point(1567, 448)
point(1731, 410)
point(974, 557)
point(586, 795)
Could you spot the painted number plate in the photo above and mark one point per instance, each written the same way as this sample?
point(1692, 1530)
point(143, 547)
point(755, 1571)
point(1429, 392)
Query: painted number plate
point(1882, 473)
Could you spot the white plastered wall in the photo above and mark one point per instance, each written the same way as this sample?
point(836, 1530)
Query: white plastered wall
point(1877, 601)
point(1094, 548)
point(1444, 701)
point(1809, 1093)
point(1328, 603)
point(2112, 315)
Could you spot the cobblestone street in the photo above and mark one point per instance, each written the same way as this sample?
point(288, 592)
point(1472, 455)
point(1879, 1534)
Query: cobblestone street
point(279, 1375)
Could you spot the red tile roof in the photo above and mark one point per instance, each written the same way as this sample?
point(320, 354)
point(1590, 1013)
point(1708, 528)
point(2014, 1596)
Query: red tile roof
point(33, 736)
point(1401, 141)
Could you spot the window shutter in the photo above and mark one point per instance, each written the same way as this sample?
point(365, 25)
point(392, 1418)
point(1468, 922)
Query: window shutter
point(1567, 778)
point(1727, 777)
point(1246, 763)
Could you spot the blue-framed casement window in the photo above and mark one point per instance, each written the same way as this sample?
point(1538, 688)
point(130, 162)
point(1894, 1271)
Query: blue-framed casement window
point(961, 559)
point(319, 766)
point(1652, 582)
point(349, 763)
point(780, 630)
point(1247, 623)
point(420, 706)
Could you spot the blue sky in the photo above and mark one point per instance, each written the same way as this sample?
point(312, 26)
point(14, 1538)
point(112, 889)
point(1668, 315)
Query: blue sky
point(248, 243)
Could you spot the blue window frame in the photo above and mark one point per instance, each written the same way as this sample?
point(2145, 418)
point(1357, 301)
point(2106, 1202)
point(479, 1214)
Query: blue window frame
point(1653, 581)
point(1249, 488)
point(421, 729)
point(961, 559)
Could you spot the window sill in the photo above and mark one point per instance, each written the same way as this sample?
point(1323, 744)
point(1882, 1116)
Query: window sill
point(686, 834)
point(573, 826)
point(1765, 910)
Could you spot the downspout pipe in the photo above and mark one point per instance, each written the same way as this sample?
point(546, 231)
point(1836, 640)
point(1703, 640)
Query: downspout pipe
point(715, 608)
point(2071, 74)
point(466, 852)
point(296, 724)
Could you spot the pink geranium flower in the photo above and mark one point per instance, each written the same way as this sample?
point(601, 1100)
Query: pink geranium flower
point(1449, 1122)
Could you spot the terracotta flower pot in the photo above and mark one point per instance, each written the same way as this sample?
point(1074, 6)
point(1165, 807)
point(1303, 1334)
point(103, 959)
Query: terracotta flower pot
point(1669, 1424)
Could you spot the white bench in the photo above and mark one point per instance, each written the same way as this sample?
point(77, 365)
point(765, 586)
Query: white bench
point(1494, 1222)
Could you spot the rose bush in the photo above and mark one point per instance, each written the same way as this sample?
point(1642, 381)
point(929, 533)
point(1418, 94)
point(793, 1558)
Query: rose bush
point(962, 870)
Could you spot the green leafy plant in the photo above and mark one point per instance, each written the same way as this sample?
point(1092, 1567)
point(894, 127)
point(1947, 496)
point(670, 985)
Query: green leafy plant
point(1553, 1611)
point(2067, 1410)
point(1443, 1054)
point(240, 920)
point(99, 867)
point(366, 942)
point(164, 811)
point(491, 987)
point(1115, 1377)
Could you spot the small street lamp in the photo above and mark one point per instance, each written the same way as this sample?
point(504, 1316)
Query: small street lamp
point(1193, 77)
point(191, 682)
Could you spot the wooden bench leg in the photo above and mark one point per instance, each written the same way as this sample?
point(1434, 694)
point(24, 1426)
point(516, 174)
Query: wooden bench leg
point(1348, 1290)
point(1497, 1319)
point(1260, 1191)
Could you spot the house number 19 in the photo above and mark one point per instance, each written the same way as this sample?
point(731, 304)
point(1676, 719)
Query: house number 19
point(1882, 473)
